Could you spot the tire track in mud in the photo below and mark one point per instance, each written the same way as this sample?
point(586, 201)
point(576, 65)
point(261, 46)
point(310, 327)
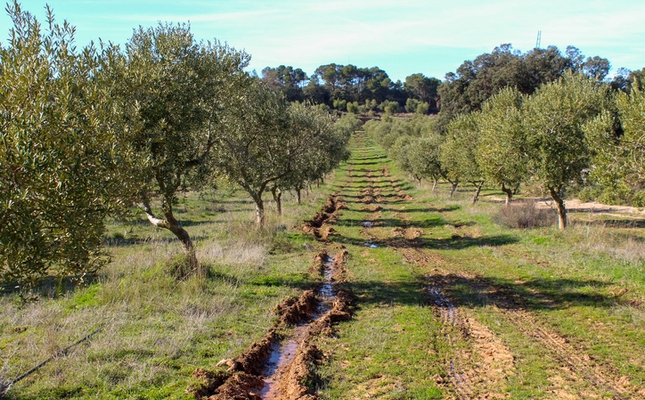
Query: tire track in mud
point(276, 367)
point(580, 368)
point(487, 379)
point(481, 375)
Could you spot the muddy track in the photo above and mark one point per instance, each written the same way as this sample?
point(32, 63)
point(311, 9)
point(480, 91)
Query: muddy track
point(578, 365)
point(320, 224)
point(276, 366)
point(480, 371)
point(495, 362)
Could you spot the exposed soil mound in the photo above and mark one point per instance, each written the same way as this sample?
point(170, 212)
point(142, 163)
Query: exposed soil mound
point(325, 232)
point(339, 271)
point(296, 309)
point(318, 265)
point(209, 381)
point(371, 208)
point(341, 310)
point(240, 386)
point(328, 215)
point(252, 361)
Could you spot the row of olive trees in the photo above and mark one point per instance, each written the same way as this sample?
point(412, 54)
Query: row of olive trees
point(87, 134)
point(567, 132)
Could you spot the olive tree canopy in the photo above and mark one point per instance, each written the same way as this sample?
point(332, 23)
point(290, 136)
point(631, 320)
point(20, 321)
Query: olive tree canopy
point(182, 88)
point(65, 155)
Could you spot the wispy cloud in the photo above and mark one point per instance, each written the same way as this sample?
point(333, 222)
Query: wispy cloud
point(441, 34)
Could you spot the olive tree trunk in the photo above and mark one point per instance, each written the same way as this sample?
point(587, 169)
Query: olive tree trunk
point(453, 186)
point(562, 210)
point(478, 189)
point(509, 194)
point(259, 211)
point(171, 223)
point(277, 197)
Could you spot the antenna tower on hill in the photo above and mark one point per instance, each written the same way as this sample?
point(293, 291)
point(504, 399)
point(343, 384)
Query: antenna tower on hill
point(539, 40)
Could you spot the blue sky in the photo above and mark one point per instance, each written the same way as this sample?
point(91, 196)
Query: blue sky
point(402, 37)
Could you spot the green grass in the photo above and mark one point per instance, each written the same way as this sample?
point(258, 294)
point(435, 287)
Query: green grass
point(586, 285)
point(156, 330)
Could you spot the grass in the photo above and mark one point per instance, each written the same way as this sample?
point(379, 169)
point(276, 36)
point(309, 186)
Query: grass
point(584, 286)
point(156, 330)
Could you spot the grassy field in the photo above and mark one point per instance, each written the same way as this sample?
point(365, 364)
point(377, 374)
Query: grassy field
point(450, 304)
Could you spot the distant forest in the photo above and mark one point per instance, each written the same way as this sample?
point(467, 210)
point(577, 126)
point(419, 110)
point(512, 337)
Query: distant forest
point(364, 90)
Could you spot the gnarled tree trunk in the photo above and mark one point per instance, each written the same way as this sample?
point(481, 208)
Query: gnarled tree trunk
point(453, 186)
point(259, 211)
point(277, 197)
point(562, 210)
point(171, 223)
point(478, 189)
point(509, 194)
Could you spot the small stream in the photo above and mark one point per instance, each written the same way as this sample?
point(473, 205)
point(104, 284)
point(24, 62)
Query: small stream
point(283, 353)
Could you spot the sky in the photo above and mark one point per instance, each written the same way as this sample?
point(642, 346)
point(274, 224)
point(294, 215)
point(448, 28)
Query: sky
point(402, 37)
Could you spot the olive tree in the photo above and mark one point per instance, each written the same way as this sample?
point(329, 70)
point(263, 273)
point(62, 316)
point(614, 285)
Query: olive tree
point(458, 153)
point(264, 141)
point(424, 157)
point(326, 147)
point(182, 88)
point(502, 150)
point(64, 156)
point(631, 109)
point(555, 118)
point(618, 155)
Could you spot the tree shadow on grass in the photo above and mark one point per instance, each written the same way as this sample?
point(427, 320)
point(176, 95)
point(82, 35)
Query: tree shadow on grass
point(51, 286)
point(301, 281)
point(536, 294)
point(421, 209)
point(614, 223)
point(429, 222)
point(455, 242)
point(367, 162)
point(119, 241)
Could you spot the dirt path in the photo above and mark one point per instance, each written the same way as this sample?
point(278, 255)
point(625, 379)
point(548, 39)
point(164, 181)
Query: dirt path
point(483, 369)
point(484, 379)
point(277, 366)
point(579, 369)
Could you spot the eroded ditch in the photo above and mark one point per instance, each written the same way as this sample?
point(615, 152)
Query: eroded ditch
point(320, 224)
point(277, 366)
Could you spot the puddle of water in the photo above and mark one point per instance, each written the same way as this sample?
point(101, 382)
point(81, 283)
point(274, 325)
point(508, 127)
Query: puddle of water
point(326, 290)
point(367, 224)
point(283, 353)
point(370, 244)
point(447, 310)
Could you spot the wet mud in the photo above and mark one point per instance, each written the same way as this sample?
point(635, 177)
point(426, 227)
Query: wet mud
point(319, 224)
point(276, 367)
